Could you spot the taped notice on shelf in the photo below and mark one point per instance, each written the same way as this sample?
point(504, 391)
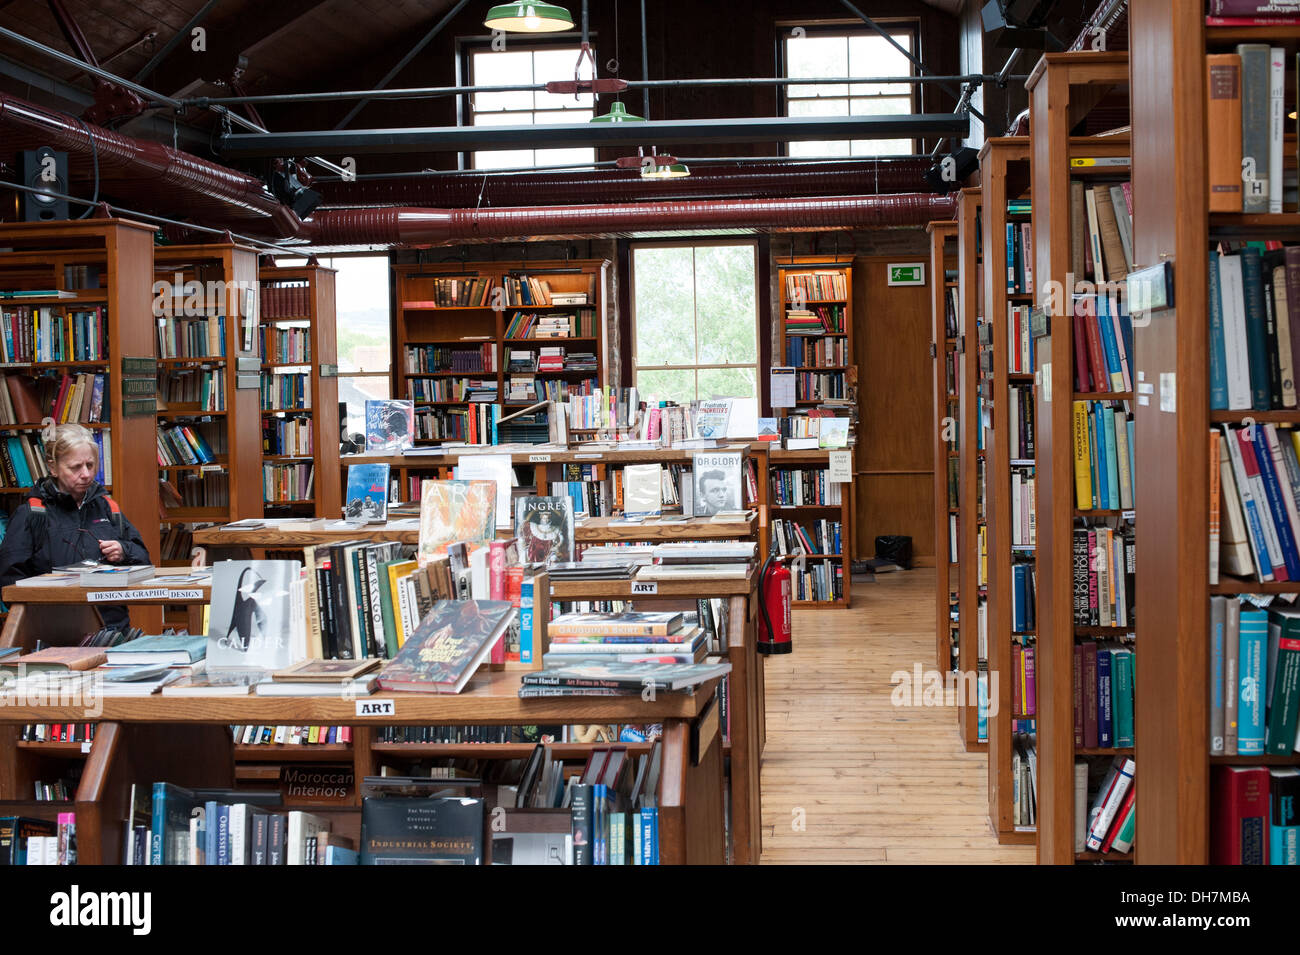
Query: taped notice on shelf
point(150, 593)
point(841, 467)
point(781, 386)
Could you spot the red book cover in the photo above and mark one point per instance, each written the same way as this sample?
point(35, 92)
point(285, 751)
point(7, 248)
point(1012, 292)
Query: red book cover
point(1126, 807)
point(1096, 360)
point(1239, 817)
point(1090, 695)
point(1082, 378)
point(1078, 695)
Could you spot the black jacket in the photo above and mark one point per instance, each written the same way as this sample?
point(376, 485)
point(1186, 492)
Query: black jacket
point(70, 534)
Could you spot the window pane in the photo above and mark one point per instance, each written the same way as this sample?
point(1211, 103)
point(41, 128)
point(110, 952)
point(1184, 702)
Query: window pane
point(355, 392)
point(361, 302)
point(504, 159)
point(725, 304)
point(819, 107)
point(728, 383)
point(661, 385)
point(575, 156)
point(557, 64)
point(832, 148)
point(817, 56)
point(665, 306)
point(505, 68)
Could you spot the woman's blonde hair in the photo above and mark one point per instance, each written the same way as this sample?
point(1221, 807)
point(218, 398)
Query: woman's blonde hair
point(68, 438)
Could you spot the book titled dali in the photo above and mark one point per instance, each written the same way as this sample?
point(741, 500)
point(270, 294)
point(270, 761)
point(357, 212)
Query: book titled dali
point(253, 615)
point(367, 500)
point(544, 527)
point(452, 511)
point(445, 650)
point(390, 425)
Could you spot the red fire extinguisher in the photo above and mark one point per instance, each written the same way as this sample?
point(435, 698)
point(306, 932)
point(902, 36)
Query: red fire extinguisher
point(774, 632)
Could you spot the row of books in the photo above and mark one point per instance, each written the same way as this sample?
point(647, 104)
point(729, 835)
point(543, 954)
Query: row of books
point(287, 436)
point(36, 334)
point(1254, 326)
point(1254, 493)
point(1255, 815)
point(435, 358)
point(188, 489)
point(26, 841)
point(177, 542)
point(453, 424)
point(291, 391)
point(817, 386)
point(1021, 415)
point(1103, 344)
point(58, 733)
point(1105, 809)
point(1104, 436)
point(1024, 506)
point(1245, 108)
point(29, 400)
point(451, 389)
point(608, 408)
point(526, 290)
point(1104, 577)
point(1254, 679)
point(285, 483)
point(184, 444)
point(527, 325)
point(1020, 258)
point(799, 487)
point(1020, 340)
point(192, 337)
point(820, 285)
point(22, 460)
point(1024, 680)
point(284, 345)
point(1024, 597)
point(951, 309)
point(285, 301)
point(254, 735)
point(951, 376)
point(205, 388)
point(818, 320)
point(1024, 781)
point(818, 537)
point(1101, 231)
point(1103, 695)
point(804, 352)
point(456, 293)
point(470, 733)
point(521, 388)
point(550, 359)
point(820, 581)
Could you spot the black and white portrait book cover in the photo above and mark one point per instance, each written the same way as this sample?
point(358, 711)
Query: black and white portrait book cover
point(251, 619)
point(717, 482)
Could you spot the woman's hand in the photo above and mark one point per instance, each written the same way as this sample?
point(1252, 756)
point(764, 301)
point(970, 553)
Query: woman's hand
point(112, 551)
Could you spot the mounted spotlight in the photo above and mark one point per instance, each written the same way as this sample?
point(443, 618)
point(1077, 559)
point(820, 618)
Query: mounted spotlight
point(528, 18)
point(1021, 24)
point(948, 174)
point(287, 184)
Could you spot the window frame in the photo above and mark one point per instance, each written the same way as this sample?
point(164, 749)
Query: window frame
point(761, 344)
point(847, 28)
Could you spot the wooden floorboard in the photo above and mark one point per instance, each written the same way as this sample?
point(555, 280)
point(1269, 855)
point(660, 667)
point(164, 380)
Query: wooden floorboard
point(850, 778)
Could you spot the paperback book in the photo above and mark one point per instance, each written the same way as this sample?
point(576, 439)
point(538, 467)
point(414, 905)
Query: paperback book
point(390, 425)
point(448, 646)
point(367, 500)
point(452, 511)
point(717, 483)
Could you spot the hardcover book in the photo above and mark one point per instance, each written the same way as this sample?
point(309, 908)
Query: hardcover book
point(452, 511)
point(415, 831)
point(627, 677)
point(326, 671)
point(717, 482)
point(251, 618)
point(544, 527)
point(367, 500)
point(390, 425)
point(180, 649)
point(447, 647)
point(630, 624)
point(642, 490)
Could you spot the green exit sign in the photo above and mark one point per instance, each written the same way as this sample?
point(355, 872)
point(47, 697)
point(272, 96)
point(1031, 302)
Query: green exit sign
point(906, 273)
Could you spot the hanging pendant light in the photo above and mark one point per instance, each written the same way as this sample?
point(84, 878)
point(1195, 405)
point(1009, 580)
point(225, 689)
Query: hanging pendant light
point(528, 18)
point(675, 170)
point(617, 114)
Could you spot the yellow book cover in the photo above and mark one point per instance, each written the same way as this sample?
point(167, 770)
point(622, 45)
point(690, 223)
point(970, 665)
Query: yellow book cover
point(395, 573)
point(1082, 456)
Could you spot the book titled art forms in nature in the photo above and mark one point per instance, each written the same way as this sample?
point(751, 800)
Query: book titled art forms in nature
point(367, 501)
point(390, 425)
point(452, 511)
point(544, 527)
point(717, 483)
point(251, 623)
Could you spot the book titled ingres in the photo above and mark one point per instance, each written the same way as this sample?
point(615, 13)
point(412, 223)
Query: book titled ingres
point(445, 650)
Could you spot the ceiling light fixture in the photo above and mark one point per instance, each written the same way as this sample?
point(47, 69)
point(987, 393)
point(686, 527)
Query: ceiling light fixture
point(528, 18)
point(617, 114)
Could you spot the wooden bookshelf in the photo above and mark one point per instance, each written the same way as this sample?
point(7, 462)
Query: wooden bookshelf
point(822, 284)
point(420, 322)
point(781, 461)
point(1070, 83)
point(300, 301)
point(1004, 169)
point(943, 349)
point(228, 275)
point(972, 583)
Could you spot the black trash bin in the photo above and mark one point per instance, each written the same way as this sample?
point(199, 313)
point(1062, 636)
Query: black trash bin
point(895, 549)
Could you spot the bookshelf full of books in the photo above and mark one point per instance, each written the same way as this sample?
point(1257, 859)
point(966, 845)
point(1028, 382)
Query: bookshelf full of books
point(300, 429)
point(807, 508)
point(972, 705)
point(1214, 341)
point(945, 307)
point(481, 341)
point(1086, 517)
point(815, 334)
point(1010, 484)
point(209, 380)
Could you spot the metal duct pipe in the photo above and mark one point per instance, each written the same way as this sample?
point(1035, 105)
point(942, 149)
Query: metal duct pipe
point(395, 226)
point(724, 180)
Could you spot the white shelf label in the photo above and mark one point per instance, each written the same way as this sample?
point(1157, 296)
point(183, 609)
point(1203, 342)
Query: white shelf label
point(376, 707)
point(841, 467)
point(645, 587)
point(589, 454)
point(85, 746)
point(117, 596)
point(538, 458)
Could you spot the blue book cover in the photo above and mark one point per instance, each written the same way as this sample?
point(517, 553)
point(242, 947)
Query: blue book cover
point(1250, 695)
point(390, 425)
point(1121, 682)
point(1011, 258)
point(1131, 425)
point(367, 497)
point(654, 835)
point(337, 855)
point(1093, 460)
point(1109, 346)
point(647, 837)
point(526, 612)
point(1216, 677)
point(1276, 504)
point(1284, 816)
point(982, 713)
point(223, 835)
point(1103, 469)
point(1018, 586)
point(1104, 698)
point(1252, 282)
point(1218, 348)
point(21, 470)
point(211, 811)
point(1112, 458)
point(600, 824)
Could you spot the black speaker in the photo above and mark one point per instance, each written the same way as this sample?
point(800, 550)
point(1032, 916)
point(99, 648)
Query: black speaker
point(964, 162)
point(46, 170)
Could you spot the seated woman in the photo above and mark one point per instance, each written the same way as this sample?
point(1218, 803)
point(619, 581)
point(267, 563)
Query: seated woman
point(69, 518)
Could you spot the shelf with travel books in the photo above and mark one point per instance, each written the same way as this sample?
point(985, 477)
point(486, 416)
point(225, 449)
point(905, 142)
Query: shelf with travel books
point(1007, 388)
point(1209, 414)
point(944, 308)
point(815, 334)
point(298, 337)
point(499, 333)
point(972, 647)
point(206, 308)
point(1084, 410)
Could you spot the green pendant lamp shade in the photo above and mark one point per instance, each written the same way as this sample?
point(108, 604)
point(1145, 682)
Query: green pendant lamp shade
point(617, 114)
point(528, 18)
point(676, 170)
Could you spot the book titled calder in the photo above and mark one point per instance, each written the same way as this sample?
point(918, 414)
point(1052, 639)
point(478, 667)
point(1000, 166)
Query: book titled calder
point(403, 830)
point(447, 647)
point(631, 677)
